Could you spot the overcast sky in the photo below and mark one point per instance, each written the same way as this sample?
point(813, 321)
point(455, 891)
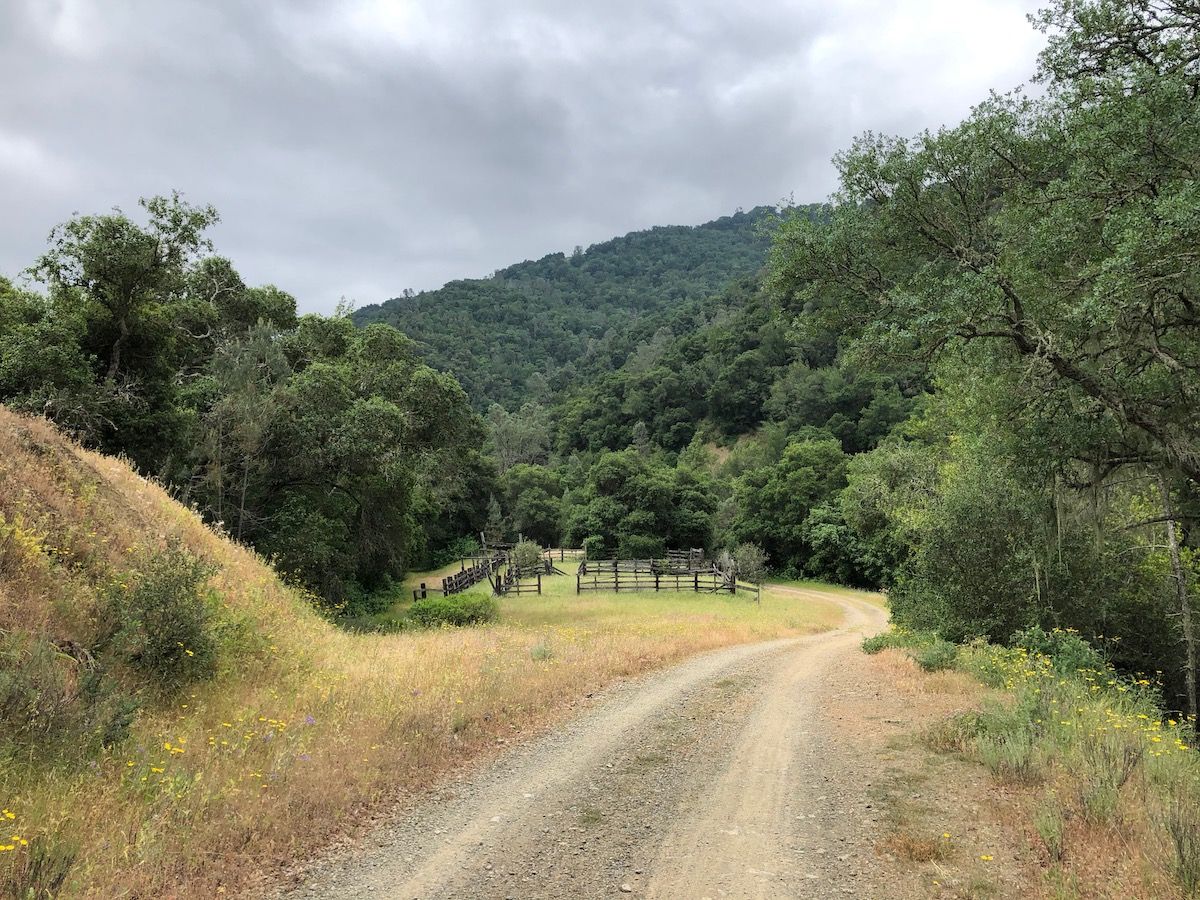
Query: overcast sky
point(361, 147)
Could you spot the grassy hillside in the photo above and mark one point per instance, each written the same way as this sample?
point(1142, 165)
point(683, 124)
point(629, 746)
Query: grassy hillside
point(135, 763)
point(545, 316)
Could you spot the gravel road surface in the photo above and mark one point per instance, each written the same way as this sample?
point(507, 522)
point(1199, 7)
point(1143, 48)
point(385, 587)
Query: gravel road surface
point(714, 778)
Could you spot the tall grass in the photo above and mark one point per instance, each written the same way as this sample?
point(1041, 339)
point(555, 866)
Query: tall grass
point(1110, 768)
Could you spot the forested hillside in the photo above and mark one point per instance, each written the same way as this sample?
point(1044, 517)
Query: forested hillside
point(537, 325)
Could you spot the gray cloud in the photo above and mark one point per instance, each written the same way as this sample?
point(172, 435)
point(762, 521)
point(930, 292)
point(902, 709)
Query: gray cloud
point(362, 147)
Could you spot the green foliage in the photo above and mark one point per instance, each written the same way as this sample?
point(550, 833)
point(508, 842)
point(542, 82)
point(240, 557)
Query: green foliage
point(774, 502)
point(57, 701)
point(1040, 257)
point(737, 365)
point(896, 638)
point(637, 506)
point(527, 555)
point(751, 561)
point(330, 448)
point(1070, 653)
point(457, 610)
point(166, 619)
point(460, 548)
point(532, 497)
point(936, 655)
point(543, 319)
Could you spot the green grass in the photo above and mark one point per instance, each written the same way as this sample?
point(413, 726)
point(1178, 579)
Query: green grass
point(559, 605)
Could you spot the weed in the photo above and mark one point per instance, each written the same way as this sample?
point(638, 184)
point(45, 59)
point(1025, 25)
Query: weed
point(956, 734)
point(40, 869)
point(1051, 827)
point(541, 651)
point(1182, 824)
point(1010, 756)
point(913, 848)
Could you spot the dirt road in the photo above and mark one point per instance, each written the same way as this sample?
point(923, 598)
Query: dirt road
point(714, 778)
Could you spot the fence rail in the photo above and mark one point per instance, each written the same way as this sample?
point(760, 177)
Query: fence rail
point(562, 554)
point(481, 567)
point(515, 580)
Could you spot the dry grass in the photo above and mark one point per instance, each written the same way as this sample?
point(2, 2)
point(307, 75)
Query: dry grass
point(900, 669)
point(916, 848)
point(305, 727)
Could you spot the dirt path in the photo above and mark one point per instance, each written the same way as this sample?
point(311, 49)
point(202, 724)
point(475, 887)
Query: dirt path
point(711, 779)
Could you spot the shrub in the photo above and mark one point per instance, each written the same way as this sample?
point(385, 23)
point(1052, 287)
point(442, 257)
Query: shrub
point(56, 702)
point(895, 638)
point(165, 619)
point(459, 548)
point(936, 656)
point(457, 609)
point(1070, 652)
point(641, 546)
point(359, 601)
point(527, 555)
point(751, 561)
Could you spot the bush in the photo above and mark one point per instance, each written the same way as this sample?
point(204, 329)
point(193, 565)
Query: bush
point(457, 609)
point(55, 701)
point(457, 549)
point(527, 555)
point(936, 656)
point(641, 546)
point(896, 638)
point(358, 601)
point(1070, 653)
point(751, 561)
point(165, 619)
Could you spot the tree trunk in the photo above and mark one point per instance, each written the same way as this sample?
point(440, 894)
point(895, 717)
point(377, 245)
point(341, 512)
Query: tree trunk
point(1181, 595)
point(114, 361)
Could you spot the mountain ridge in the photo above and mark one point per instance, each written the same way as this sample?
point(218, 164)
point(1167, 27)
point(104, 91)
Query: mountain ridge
point(536, 319)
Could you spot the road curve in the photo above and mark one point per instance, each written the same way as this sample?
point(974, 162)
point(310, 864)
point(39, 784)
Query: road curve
point(707, 779)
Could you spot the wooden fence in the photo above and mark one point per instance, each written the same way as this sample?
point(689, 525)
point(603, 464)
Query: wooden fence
point(481, 567)
point(562, 554)
point(669, 574)
point(515, 580)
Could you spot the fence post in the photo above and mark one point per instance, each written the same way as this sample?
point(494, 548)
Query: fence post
point(656, 582)
point(696, 583)
point(539, 583)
